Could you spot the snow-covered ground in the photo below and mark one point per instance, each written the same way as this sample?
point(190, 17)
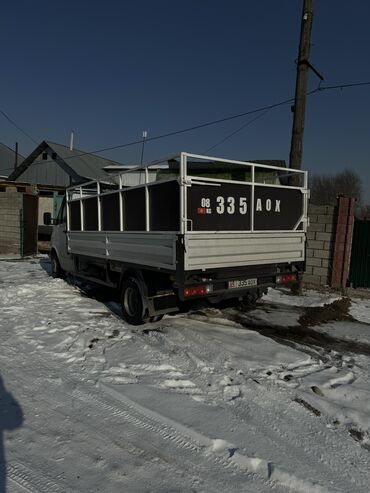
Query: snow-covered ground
point(213, 401)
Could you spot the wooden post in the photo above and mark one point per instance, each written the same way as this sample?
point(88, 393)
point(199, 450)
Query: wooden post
point(296, 147)
point(343, 242)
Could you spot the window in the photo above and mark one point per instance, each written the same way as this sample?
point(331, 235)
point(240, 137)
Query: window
point(63, 214)
point(44, 156)
point(54, 155)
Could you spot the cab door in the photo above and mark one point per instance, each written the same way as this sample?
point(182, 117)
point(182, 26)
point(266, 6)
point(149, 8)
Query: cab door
point(59, 240)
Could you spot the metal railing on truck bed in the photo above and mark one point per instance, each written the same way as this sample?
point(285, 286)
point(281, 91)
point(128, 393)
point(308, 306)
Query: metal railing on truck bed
point(226, 213)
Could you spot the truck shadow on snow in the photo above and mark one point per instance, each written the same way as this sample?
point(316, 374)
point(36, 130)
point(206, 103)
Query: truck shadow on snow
point(108, 296)
point(11, 417)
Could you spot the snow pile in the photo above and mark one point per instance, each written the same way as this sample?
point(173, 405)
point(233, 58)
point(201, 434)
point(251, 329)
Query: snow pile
point(360, 310)
point(308, 298)
point(348, 331)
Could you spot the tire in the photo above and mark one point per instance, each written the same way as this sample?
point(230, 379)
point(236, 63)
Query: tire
point(251, 299)
point(56, 270)
point(133, 306)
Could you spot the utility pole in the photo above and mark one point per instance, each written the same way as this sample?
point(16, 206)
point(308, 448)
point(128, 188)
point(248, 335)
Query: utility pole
point(145, 135)
point(303, 66)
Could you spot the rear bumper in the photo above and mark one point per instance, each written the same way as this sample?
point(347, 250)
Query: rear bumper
point(258, 277)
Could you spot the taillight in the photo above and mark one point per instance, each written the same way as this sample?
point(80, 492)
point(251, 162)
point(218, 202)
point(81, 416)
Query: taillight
point(201, 290)
point(285, 278)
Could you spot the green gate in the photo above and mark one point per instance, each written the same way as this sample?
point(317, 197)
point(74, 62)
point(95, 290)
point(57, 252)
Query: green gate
point(359, 274)
point(57, 202)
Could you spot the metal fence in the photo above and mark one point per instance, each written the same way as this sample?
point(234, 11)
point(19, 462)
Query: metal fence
point(359, 275)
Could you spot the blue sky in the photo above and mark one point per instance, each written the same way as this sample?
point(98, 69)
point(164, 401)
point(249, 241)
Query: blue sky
point(111, 69)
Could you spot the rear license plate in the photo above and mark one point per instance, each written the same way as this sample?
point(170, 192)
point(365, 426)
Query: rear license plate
point(244, 283)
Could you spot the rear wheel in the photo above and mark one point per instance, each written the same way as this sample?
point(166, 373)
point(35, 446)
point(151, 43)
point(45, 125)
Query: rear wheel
point(133, 306)
point(56, 270)
point(250, 299)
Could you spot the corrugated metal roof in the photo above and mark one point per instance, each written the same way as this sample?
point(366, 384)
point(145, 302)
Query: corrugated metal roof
point(7, 159)
point(62, 166)
point(83, 164)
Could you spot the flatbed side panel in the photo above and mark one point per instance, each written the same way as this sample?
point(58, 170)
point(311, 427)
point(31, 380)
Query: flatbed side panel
point(218, 250)
point(154, 250)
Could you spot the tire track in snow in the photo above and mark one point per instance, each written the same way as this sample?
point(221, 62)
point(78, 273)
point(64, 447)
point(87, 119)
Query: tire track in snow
point(187, 461)
point(188, 438)
point(285, 443)
point(182, 441)
point(32, 481)
point(180, 436)
point(107, 436)
point(275, 425)
point(279, 427)
point(170, 432)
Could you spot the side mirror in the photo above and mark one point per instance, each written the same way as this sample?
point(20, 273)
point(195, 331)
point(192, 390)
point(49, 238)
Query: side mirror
point(47, 218)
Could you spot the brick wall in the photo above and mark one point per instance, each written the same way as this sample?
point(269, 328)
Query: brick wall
point(343, 242)
point(320, 245)
point(10, 207)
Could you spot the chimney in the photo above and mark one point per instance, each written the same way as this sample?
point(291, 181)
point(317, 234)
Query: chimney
point(71, 141)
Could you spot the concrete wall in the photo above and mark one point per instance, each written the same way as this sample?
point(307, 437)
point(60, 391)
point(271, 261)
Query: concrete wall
point(10, 234)
point(45, 205)
point(320, 245)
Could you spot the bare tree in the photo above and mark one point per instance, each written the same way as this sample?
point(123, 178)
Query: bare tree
point(363, 212)
point(326, 188)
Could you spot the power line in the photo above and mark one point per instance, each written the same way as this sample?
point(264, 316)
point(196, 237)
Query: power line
point(236, 131)
point(319, 88)
point(17, 126)
point(176, 132)
point(342, 86)
point(207, 124)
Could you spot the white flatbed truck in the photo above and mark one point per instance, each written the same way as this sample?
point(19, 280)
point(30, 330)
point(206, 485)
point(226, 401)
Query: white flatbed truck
point(187, 228)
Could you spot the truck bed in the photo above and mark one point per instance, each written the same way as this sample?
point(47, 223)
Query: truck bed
point(184, 218)
point(202, 251)
point(145, 249)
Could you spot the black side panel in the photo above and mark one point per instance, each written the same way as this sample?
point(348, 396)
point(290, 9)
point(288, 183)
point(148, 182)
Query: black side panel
point(134, 209)
point(224, 207)
point(110, 212)
point(276, 208)
point(91, 214)
point(227, 207)
point(74, 216)
point(165, 206)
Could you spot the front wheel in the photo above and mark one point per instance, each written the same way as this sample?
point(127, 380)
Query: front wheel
point(56, 270)
point(133, 306)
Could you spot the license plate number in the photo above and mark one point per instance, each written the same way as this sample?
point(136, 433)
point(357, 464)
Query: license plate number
point(242, 283)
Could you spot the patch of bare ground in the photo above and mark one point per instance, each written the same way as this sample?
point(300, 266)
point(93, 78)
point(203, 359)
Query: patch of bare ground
point(336, 311)
point(303, 335)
